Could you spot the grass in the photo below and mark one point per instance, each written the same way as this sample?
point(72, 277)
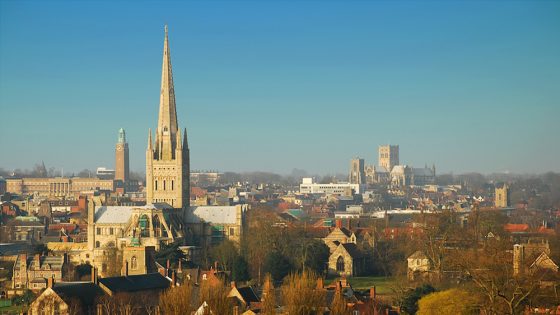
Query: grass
point(382, 284)
point(14, 309)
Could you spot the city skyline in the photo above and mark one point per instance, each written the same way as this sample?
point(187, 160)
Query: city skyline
point(258, 94)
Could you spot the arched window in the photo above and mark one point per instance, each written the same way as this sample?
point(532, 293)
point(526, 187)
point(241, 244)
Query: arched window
point(156, 185)
point(172, 184)
point(133, 263)
point(164, 184)
point(340, 264)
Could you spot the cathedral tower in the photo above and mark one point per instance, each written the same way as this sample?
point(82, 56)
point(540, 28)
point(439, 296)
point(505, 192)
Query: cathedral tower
point(167, 160)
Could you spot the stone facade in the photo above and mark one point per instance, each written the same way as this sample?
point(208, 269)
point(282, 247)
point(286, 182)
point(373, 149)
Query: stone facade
point(167, 160)
point(388, 156)
point(57, 187)
point(501, 198)
point(33, 272)
point(357, 171)
point(346, 260)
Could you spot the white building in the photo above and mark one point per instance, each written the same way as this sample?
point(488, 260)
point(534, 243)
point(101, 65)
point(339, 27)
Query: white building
point(308, 186)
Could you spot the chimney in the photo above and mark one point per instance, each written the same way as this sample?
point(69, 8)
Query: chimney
point(372, 293)
point(339, 223)
point(173, 279)
point(180, 269)
point(37, 260)
point(50, 282)
point(168, 264)
point(216, 266)
point(320, 283)
point(348, 224)
point(236, 310)
point(232, 284)
point(125, 268)
point(93, 275)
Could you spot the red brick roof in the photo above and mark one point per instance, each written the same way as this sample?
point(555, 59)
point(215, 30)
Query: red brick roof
point(516, 228)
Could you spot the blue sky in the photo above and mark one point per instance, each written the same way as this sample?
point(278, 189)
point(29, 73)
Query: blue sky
point(277, 85)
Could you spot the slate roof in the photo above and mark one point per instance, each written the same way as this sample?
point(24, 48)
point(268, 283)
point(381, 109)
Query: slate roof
point(86, 292)
point(248, 295)
point(352, 250)
point(212, 214)
point(134, 283)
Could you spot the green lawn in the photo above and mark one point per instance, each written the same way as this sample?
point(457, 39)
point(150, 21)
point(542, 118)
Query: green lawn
point(382, 284)
point(14, 309)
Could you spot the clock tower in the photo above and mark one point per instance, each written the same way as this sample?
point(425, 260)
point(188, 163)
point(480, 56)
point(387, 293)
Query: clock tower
point(121, 159)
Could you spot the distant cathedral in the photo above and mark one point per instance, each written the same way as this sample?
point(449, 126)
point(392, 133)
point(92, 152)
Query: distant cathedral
point(167, 160)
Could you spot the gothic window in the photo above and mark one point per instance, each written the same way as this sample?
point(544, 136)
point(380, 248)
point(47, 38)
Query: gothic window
point(172, 184)
point(156, 185)
point(164, 185)
point(133, 263)
point(340, 264)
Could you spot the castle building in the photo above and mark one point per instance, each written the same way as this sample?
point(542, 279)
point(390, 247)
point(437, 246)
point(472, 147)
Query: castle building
point(357, 171)
point(167, 160)
point(121, 158)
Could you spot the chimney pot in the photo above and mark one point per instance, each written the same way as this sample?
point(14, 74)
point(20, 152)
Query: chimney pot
point(232, 284)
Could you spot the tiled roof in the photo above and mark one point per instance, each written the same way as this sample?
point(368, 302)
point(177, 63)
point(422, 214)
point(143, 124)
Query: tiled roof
point(512, 228)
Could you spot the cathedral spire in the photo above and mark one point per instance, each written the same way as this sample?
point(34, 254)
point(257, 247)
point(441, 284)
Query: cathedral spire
point(167, 122)
point(150, 139)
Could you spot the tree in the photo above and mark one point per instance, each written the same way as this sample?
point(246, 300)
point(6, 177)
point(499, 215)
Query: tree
point(176, 300)
point(277, 265)
point(216, 298)
point(301, 295)
point(225, 253)
point(410, 302)
point(268, 296)
point(315, 255)
point(339, 305)
point(448, 302)
point(240, 269)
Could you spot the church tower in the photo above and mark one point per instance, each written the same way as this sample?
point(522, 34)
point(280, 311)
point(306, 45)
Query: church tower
point(167, 159)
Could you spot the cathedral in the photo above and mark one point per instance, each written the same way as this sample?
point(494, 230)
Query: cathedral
point(167, 160)
point(127, 237)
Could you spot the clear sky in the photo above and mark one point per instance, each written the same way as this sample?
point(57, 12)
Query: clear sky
point(276, 85)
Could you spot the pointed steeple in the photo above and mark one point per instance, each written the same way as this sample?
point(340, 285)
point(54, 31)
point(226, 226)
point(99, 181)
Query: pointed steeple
point(167, 121)
point(150, 139)
point(179, 144)
point(185, 140)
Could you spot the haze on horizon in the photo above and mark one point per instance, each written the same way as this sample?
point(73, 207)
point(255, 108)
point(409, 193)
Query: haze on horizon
point(467, 86)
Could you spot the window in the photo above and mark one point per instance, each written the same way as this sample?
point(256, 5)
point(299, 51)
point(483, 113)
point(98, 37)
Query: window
point(133, 263)
point(340, 264)
point(164, 185)
point(231, 231)
point(172, 184)
point(111, 231)
point(156, 185)
point(98, 231)
point(97, 244)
